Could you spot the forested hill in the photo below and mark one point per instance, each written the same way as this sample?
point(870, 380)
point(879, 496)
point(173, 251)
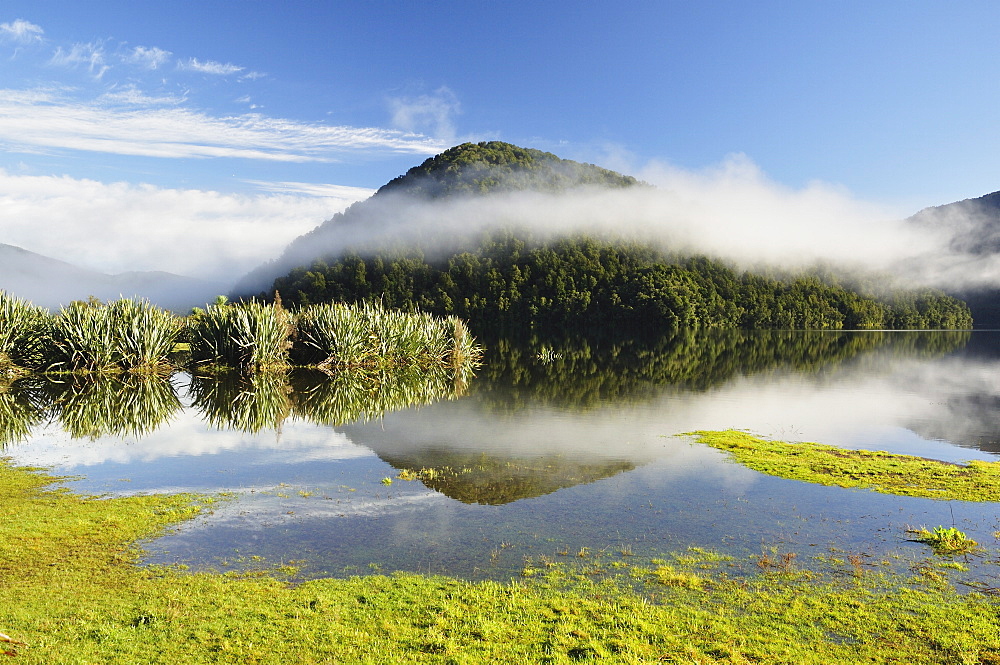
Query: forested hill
point(511, 283)
point(470, 169)
point(507, 279)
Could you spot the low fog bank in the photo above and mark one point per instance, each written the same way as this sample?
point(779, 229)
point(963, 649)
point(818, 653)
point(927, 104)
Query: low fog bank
point(51, 284)
point(731, 212)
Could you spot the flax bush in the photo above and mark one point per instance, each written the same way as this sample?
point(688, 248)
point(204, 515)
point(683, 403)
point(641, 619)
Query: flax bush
point(369, 335)
point(23, 331)
point(247, 336)
point(127, 334)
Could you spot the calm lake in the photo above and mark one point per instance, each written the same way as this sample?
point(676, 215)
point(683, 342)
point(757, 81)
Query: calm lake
point(554, 449)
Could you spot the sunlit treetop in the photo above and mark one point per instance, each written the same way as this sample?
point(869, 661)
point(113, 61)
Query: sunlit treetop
point(495, 166)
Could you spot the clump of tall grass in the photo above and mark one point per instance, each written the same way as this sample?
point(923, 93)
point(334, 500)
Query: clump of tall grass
point(126, 334)
point(369, 335)
point(249, 336)
point(23, 331)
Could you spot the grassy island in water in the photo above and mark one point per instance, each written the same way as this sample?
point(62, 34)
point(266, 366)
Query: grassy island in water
point(880, 471)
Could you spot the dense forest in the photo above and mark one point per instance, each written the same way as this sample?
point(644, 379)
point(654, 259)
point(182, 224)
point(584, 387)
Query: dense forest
point(510, 281)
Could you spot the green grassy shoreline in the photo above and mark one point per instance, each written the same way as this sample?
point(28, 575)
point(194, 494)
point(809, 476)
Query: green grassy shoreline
point(70, 590)
point(879, 471)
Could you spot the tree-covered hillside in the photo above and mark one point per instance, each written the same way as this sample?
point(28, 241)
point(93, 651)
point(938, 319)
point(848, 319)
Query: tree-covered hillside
point(510, 283)
point(508, 279)
point(469, 169)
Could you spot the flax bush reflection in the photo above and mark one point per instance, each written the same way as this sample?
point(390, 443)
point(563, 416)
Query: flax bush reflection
point(356, 395)
point(133, 405)
point(22, 407)
point(125, 405)
point(257, 402)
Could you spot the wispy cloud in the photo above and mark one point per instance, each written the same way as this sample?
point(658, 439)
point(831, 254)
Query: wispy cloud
point(431, 114)
point(21, 32)
point(43, 119)
point(209, 67)
point(148, 58)
point(314, 189)
point(130, 95)
point(90, 56)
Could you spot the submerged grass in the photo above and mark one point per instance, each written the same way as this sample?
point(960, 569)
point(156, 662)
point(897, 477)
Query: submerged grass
point(880, 471)
point(71, 592)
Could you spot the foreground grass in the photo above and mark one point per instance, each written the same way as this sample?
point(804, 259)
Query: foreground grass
point(880, 471)
point(70, 590)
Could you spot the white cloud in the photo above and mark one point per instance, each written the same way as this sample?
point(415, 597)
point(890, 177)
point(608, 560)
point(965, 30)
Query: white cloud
point(427, 114)
point(41, 119)
point(89, 55)
point(314, 189)
point(130, 95)
point(119, 227)
point(21, 32)
point(148, 58)
point(209, 67)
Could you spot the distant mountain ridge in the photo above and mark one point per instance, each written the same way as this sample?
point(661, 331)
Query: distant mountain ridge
point(973, 228)
point(974, 223)
point(50, 283)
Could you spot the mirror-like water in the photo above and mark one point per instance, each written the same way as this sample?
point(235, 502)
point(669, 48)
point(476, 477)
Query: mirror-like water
point(553, 450)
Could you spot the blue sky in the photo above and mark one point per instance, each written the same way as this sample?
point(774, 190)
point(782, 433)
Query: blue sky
point(130, 129)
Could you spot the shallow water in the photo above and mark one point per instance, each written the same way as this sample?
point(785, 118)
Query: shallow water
point(554, 448)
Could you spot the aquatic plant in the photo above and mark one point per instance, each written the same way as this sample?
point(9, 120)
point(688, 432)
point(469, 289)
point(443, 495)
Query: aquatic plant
point(23, 329)
point(250, 336)
point(126, 334)
point(945, 541)
point(370, 335)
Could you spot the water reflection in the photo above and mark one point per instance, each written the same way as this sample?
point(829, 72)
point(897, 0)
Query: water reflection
point(579, 373)
point(136, 405)
point(556, 444)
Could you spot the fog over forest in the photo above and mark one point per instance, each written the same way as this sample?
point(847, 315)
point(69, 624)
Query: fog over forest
point(732, 212)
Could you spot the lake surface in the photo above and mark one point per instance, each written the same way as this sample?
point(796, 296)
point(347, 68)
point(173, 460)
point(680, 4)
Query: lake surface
point(553, 449)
